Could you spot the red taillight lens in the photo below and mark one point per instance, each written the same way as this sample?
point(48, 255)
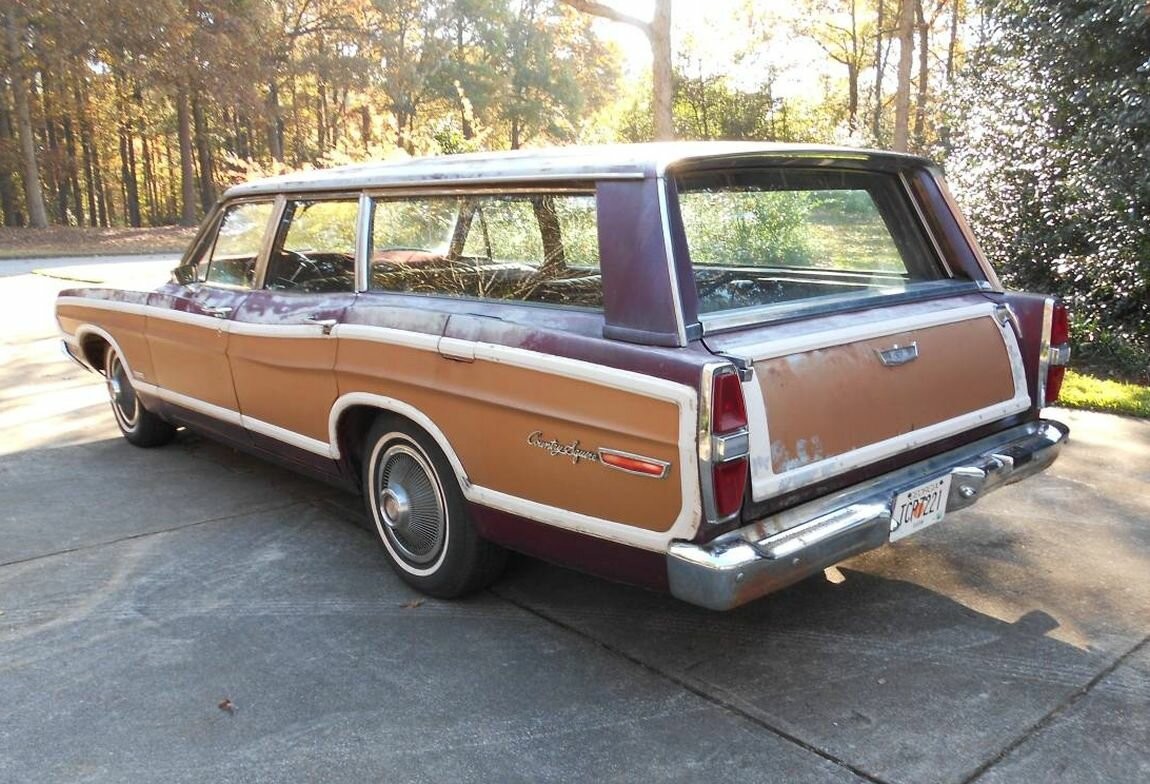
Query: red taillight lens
point(728, 446)
point(1059, 325)
point(1059, 351)
point(1054, 378)
point(728, 413)
point(730, 479)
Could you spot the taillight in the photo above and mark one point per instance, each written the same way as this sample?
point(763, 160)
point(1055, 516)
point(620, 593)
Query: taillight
point(1057, 354)
point(725, 452)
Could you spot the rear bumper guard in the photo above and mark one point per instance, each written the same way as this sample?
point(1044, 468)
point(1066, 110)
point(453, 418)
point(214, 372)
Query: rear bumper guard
point(748, 563)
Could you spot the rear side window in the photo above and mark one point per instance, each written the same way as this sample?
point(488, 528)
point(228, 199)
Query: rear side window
point(771, 237)
point(530, 247)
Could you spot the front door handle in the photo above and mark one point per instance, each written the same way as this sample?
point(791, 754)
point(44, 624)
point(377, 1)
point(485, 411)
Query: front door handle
point(221, 312)
point(328, 324)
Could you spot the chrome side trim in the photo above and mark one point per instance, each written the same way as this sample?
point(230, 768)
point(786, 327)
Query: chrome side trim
point(714, 449)
point(66, 349)
point(669, 255)
point(727, 320)
point(364, 219)
point(924, 224)
point(751, 562)
point(1044, 350)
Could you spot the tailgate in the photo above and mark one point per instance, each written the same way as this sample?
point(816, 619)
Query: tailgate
point(824, 401)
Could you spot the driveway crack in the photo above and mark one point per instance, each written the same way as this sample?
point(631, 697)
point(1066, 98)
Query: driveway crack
point(146, 534)
point(723, 703)
point(1055, 713)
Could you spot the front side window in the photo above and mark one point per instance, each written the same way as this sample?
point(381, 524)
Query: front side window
point(314, 250)
point(763, 237)
point(238, 242)
point(530, 247)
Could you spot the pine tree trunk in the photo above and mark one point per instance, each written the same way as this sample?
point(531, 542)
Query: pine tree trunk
point(187, 165)
point(662, 74)
point(80, 111)
point(204, 153)
point(905, 58)
point(9, 201)
point(33, 192)
point(72, 171)
point(275, 123)
point(876, 125)
point(923, 77)
point(150, 191)
point(53, 171)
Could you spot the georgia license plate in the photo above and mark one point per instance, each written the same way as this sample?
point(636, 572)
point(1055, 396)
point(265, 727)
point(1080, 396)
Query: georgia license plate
point(919, 507)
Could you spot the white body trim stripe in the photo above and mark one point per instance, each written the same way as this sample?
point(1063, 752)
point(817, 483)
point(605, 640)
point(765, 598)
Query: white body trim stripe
point(757, 351)
point(684, 397)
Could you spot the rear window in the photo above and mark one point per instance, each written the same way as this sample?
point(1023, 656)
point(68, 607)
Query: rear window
point(764, 237)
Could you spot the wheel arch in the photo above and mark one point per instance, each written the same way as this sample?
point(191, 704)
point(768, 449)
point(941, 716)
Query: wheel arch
point(351, 418)
point(94, 344)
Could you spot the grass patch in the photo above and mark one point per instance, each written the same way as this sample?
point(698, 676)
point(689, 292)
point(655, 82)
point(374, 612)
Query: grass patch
point(87, 241)
point(1096, 394)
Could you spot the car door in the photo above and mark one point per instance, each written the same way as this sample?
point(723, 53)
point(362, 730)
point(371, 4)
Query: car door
point(188, 324)
point(282, 349)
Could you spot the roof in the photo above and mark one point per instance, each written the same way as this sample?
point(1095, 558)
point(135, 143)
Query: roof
point(616, 161)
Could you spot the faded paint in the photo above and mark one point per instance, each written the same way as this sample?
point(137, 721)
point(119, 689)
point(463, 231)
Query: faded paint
point(830, 401)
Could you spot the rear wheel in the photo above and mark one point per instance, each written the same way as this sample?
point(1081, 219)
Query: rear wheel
point(139, 425)
point(419, 513)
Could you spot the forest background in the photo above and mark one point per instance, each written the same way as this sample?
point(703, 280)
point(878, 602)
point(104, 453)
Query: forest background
point(116, 113)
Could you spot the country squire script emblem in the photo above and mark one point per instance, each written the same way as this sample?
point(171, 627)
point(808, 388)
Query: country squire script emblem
point(555, 448)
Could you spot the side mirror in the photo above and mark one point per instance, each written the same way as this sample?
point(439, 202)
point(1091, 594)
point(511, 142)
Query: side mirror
point(185, 274)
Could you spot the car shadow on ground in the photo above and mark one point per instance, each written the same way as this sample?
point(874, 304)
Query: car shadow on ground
point(904, 681)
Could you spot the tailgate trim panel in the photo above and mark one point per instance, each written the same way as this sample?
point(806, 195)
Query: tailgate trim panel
point(767, 483)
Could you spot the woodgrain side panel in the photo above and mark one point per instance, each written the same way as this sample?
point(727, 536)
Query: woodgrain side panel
point(489, 410)
point(287, 382)
point(127, 329)
point(828, 402)
point(192, 360)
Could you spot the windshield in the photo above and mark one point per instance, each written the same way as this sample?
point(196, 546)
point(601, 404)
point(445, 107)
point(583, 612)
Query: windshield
point(762, 237)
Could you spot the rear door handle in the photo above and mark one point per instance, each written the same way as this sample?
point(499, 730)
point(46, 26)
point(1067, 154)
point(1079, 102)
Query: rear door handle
point(218, 312)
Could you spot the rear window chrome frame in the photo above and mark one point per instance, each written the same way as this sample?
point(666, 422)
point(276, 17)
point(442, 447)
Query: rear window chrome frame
point(715, 323)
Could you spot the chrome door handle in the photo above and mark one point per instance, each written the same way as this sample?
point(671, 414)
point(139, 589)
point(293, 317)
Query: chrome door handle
point(328, 324)
point(221, 312)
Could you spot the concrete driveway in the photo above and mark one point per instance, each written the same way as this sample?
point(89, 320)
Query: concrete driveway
point(191, 614)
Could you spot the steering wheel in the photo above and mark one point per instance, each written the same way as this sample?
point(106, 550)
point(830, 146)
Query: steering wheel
point(302, 263)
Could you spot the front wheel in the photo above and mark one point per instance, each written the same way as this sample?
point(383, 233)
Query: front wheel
point(414, 500)
point(139, 425)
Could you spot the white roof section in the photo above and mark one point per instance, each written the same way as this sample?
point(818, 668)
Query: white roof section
point(616, 161)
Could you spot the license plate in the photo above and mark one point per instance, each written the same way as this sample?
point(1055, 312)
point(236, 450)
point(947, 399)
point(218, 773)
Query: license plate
point(919, 507)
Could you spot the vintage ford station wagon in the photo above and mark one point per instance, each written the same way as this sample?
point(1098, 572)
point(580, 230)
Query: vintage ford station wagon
point(713, 369)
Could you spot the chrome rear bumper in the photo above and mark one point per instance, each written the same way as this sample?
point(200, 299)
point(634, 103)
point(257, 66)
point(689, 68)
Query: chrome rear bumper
point(749, 563)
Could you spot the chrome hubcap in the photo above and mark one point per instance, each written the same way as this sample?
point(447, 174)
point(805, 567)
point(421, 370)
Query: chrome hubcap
point(121, 393)
point(410, 503)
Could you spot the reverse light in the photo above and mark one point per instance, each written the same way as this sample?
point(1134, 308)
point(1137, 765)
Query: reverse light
point(725, 447)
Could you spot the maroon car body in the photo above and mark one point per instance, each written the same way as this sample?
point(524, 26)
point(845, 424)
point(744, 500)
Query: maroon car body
point(708, 368)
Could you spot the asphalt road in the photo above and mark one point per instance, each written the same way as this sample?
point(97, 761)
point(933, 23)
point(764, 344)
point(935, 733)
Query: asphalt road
point(191, 614)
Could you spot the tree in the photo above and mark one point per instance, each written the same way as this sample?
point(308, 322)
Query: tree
point(902, 91)
point(838, 28)
point(15, 32)
point(1052, 158)
point(658, 33)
